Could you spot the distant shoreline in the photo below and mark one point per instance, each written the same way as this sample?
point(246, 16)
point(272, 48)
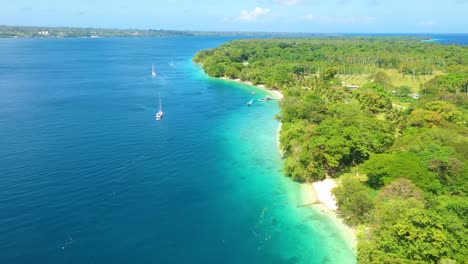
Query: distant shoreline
point(76, 32)
point(9, 31)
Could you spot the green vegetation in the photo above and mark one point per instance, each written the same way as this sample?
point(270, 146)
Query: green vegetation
point(68, 32)
point(410, 198)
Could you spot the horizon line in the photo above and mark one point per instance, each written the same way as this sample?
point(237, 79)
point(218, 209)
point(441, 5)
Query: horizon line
point(238, 31)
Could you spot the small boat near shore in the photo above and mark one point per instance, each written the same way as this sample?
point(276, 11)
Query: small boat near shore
point(250, 102)
point(266, 98)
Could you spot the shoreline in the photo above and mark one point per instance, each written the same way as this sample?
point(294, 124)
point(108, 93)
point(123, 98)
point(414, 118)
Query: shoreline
point(326, 203)
point(278, 142)
point(316, 195)
point(276, 92)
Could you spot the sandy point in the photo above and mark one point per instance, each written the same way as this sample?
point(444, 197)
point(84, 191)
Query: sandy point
point(323, 190)
point(277, 94)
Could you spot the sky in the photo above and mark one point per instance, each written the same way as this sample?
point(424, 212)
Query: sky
point(311, 16)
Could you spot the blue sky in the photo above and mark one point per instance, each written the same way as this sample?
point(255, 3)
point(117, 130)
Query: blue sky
point(318, 16)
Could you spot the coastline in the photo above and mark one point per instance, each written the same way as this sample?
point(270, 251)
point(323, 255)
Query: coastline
point(278, 142)
point(317, 196)
point(278, 95)
point(319, 193)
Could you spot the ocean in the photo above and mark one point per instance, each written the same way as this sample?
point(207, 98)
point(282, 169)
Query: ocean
point(89, 176)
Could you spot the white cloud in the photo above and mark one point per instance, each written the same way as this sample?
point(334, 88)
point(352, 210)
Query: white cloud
point(339, 19)
point(250, 16)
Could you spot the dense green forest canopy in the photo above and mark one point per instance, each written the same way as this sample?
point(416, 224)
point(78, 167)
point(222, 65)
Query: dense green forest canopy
point(271, 62)
point(397, 142)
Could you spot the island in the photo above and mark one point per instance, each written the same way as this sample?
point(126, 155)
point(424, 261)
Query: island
point(73, 32)
point(383, 117)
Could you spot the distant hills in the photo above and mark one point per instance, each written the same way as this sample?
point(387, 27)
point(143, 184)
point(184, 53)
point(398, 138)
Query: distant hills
point(69, 32)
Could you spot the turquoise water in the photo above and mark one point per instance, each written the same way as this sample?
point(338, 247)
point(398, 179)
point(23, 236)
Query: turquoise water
point(88, 175)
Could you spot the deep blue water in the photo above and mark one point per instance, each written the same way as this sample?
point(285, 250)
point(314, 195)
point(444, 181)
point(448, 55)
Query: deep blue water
point(88, 176)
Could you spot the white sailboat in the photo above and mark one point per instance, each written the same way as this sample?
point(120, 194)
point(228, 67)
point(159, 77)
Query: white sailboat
point(159, 114)
point(153, 73)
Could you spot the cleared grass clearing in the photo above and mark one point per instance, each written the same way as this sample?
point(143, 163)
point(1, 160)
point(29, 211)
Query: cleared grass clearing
point(397, 80)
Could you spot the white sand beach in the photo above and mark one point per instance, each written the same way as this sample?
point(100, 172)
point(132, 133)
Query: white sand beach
point(318, 195)
point(324, 195)
point(277, 94)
